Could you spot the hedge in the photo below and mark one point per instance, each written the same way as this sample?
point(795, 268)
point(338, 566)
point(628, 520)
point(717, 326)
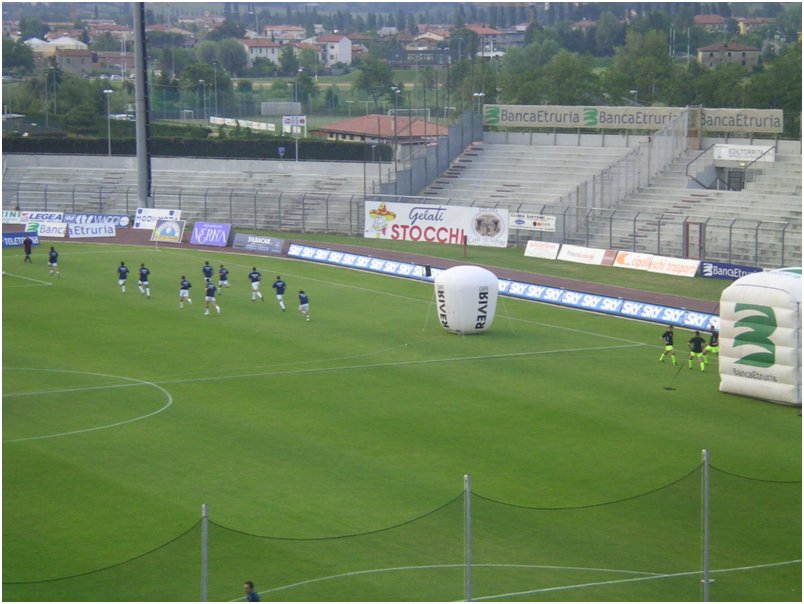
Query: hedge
point(263, 148)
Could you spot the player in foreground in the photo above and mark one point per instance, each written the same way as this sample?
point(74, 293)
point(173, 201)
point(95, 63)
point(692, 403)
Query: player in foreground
point(713, 347)
point(122, 275)
point(223, 278)
point(142, 282)
point(696, 345)
point(184, 291)
point(667, 337)
point(53, 261)
point(254, 276)
point(209, 298)
point(304, 304)
point(280, 286)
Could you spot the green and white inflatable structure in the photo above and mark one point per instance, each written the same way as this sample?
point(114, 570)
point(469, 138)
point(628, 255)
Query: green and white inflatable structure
point(760, 336)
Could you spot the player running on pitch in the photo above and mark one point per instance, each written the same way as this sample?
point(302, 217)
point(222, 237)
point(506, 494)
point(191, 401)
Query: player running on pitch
point(279, 286)
point(142, 282)
point(122, 275)
point(713, 346)
point(304, 304)
point(223, 278)
point(696, 345)
point(254, 276)
point(209, 298)
point(184, 291)
point(667, 338)
point(53, 261)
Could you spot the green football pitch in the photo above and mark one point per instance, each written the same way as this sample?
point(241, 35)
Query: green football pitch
point(331, 453)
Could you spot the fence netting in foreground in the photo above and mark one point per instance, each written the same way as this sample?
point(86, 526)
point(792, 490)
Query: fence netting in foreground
point(646, 547)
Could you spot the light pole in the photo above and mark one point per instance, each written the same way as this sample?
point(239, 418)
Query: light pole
point(215, 65)
point(108, 93)
point(479, 98)
point(634, 93)
point(46, 102)
point(292, 87)
point(379, 169)
point(203, 99)
point(396, 96)
point(349, 105)
point(55, 111)
point(298, 92)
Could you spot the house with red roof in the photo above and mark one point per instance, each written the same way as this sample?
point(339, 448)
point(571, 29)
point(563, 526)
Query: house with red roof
point(404, 131)
point(260, 48)
point(711, 23)
point(332, 49)
point(722, 53)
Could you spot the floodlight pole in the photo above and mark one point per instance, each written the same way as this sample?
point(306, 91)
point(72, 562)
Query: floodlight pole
point(705, 523)
point(204, 538)
point(467, 538)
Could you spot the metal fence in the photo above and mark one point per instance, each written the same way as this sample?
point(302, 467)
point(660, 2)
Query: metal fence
point(769, 244)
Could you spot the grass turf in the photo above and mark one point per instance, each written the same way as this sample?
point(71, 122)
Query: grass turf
point(122, 415)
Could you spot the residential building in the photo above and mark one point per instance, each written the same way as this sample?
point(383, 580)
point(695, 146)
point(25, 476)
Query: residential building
point(76, 62)
point(711, 23)
point(747, 24)
point(260, 48)
point(728, 52)
point(380, 128)
point(332, 49)
point(284, 34)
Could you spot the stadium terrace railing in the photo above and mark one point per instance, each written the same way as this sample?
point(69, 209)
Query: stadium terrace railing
point(765, 243)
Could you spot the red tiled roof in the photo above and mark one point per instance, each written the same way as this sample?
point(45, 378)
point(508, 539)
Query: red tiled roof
point(330, 38)
point(382, 126)
point(726, 46)
point(481, 30)
point(259, 43)
point(708, 20)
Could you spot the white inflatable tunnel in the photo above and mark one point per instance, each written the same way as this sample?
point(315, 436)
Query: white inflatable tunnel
point(466, 299)
point(760, 336)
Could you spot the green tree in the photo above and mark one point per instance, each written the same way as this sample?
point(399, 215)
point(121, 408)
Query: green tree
point(232, 56)
point(568, 79)
point(81, 119)
point(778, 86)
point(609, 33)
point(227, 29)
point(32, 27)
point(17, 57)
point(106, 42)
point(375, 78)
point(263, 67)
point(288, 63)
point(642, 64)
point(206, 52)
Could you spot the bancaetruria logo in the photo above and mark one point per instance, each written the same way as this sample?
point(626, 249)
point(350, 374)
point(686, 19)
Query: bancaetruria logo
point(492, 115)
point(761, 324)
point(590, 117)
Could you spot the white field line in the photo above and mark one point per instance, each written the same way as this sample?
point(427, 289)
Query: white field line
point(644, 576)
point(36, 281)
point(315, 370)
point(168, 401)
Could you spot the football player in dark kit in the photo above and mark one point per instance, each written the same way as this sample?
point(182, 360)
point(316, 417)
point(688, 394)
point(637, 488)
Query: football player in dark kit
point(696, 350)
point(667, 338)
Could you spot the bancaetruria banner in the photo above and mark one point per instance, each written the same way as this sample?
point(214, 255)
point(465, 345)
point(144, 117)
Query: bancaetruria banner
point(558, 116)
point(629, 118)
point(436, 223)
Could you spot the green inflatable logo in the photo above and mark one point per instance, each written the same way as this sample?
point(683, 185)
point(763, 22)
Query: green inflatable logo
point(590, 117)
point(761, 324)
point(492, 115)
